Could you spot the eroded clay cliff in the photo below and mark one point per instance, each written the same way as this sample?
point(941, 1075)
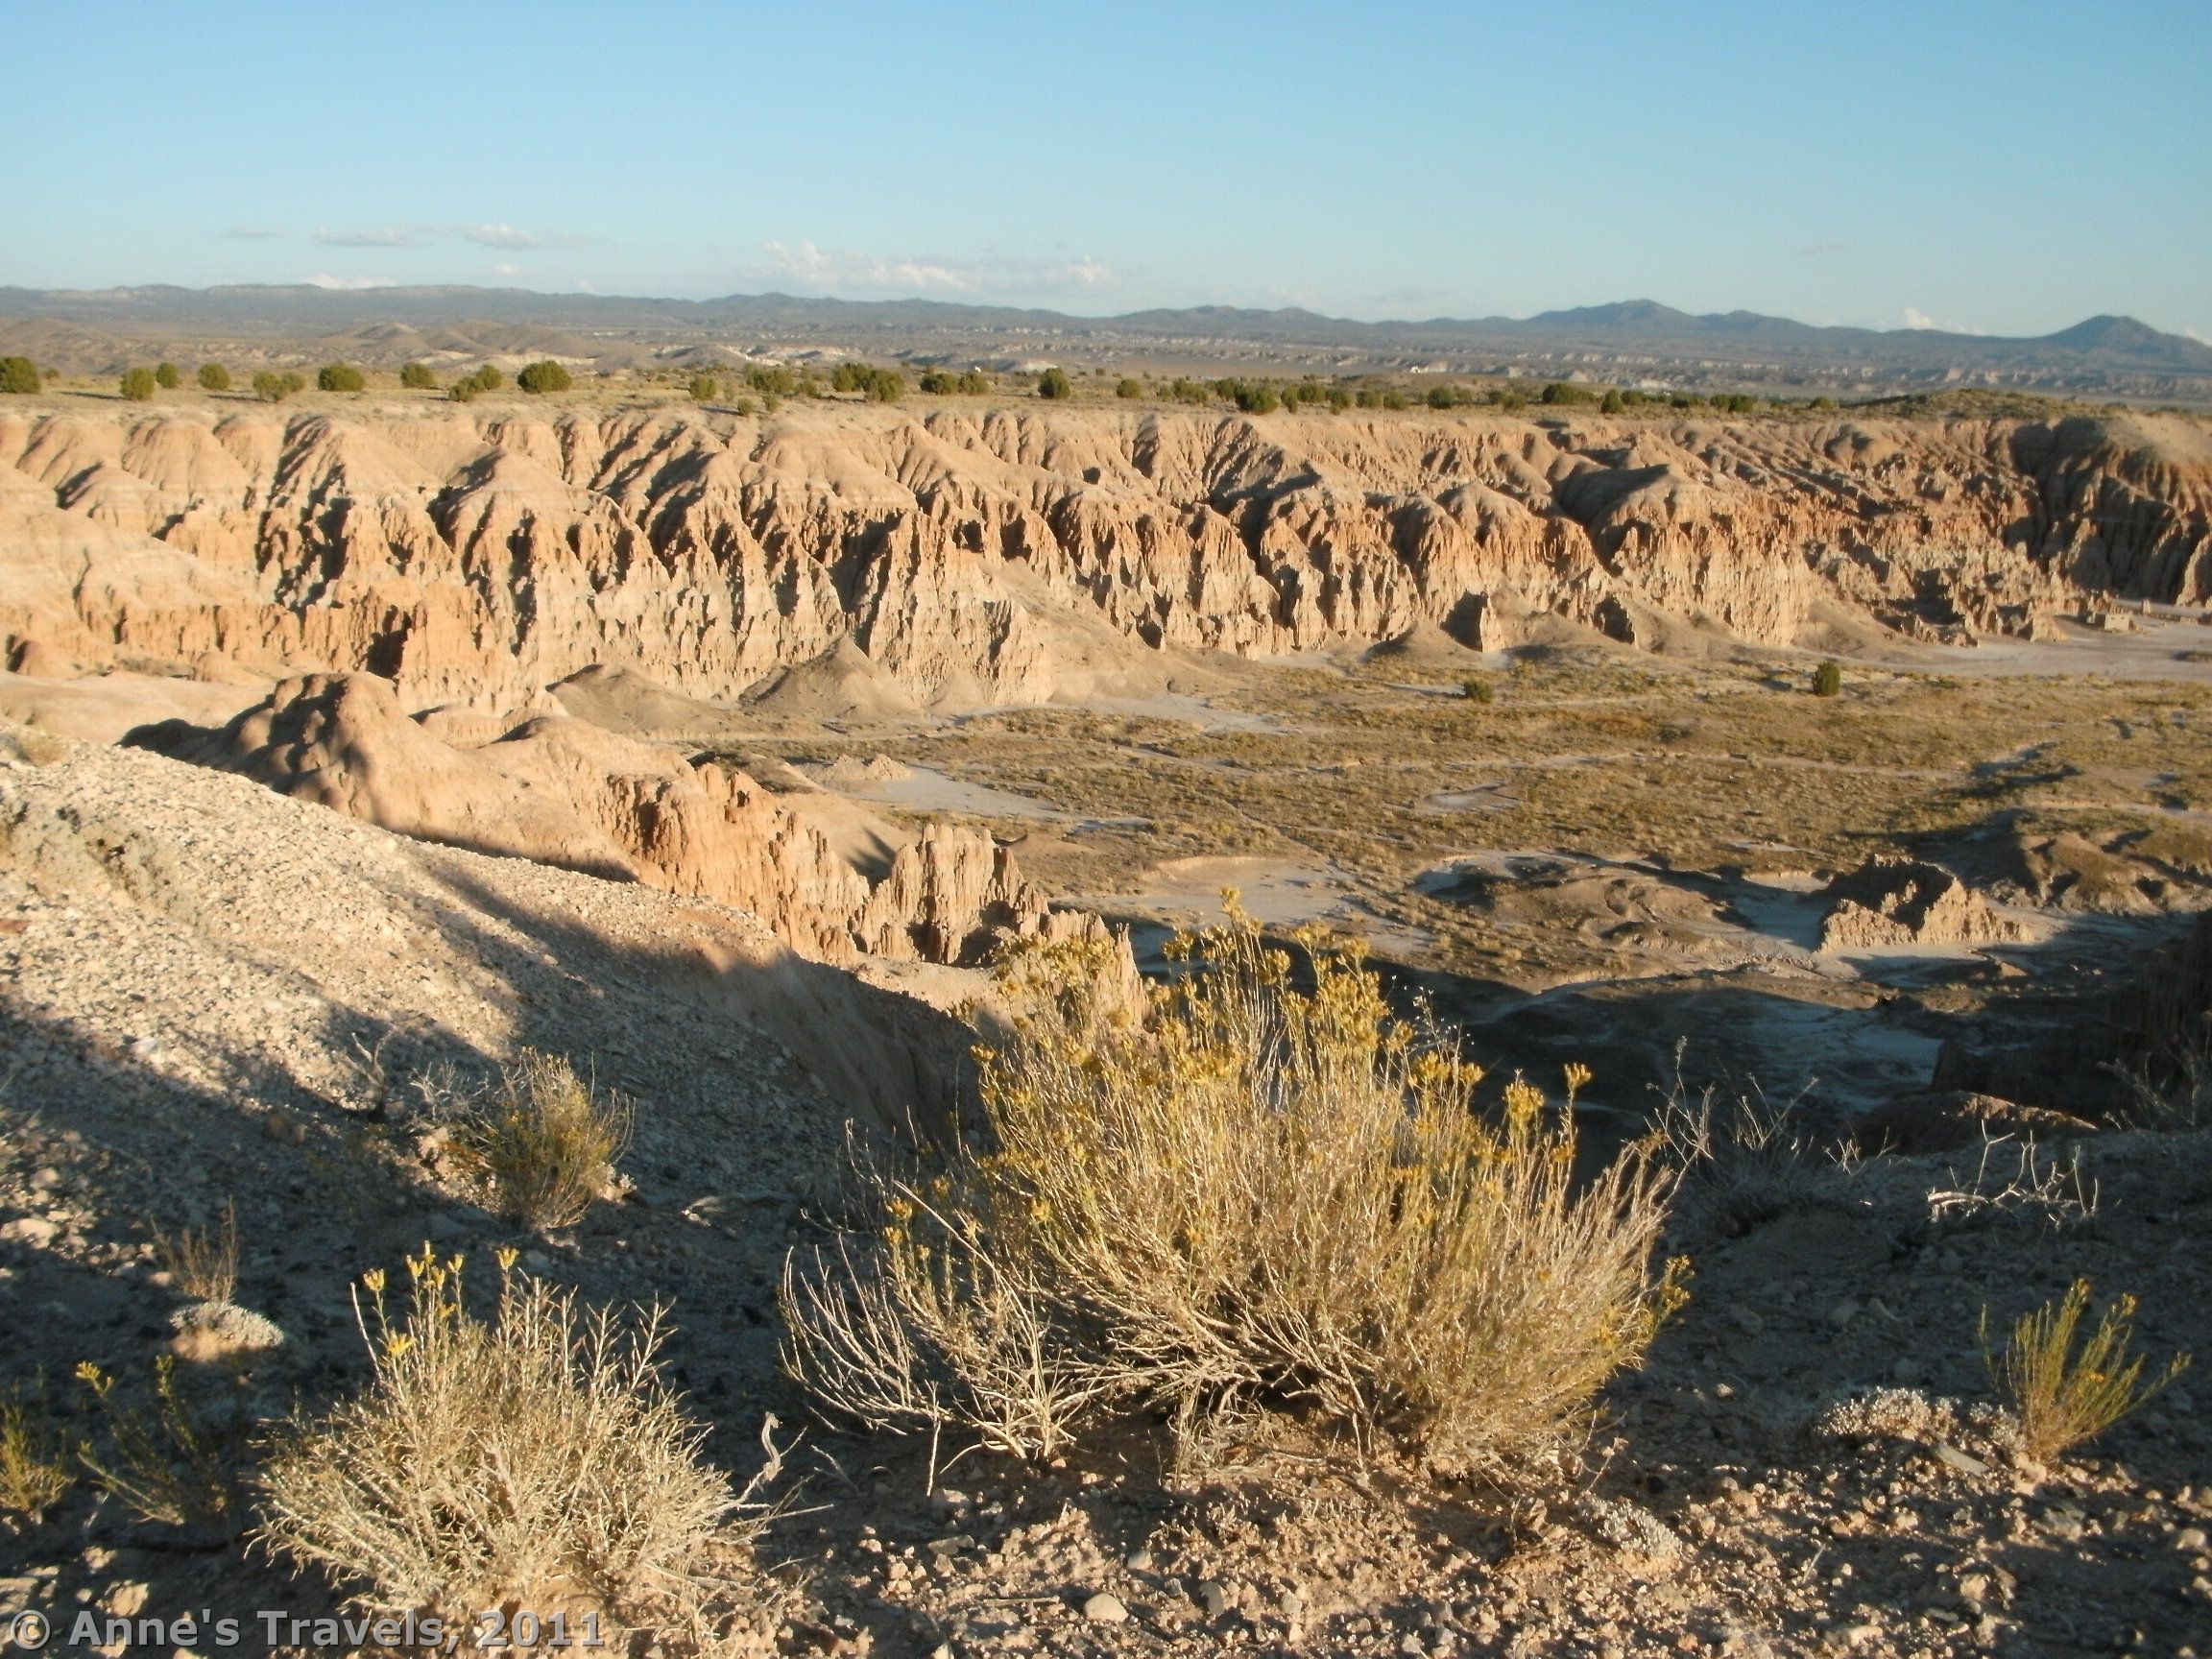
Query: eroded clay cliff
point(1022, 554)
point(563, 791)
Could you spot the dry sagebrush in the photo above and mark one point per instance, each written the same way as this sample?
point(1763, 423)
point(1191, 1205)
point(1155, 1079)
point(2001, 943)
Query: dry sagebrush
point(534, 1456)
point(1255, 1194)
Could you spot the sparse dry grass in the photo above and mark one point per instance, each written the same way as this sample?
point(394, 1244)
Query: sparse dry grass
point(2064, 1395)
point(536, 1456)
point(1256, 1194)
point(203, 1261)
point(543, 1142)
point(1693, 764)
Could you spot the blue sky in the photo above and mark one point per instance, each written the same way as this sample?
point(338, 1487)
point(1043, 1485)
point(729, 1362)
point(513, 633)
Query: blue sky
point(2005, 168)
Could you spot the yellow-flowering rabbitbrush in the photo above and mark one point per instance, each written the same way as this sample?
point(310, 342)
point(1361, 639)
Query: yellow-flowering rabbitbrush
point(1252, 1193)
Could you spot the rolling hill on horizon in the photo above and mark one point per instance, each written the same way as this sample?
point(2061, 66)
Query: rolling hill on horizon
point(1626, 339)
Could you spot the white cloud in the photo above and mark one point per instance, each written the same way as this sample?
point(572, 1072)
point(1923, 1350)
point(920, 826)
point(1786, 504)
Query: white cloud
point(324, 280)
point(809, 266)
point(501, 237)
point(383, 236)
point(2200, 338)
point(248, 233)
point(1915, 318)
point(506, 268)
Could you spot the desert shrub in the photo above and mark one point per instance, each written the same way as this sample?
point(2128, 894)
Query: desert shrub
point(876, 385)
point(1053, 383)
point(544, 376)
point(974, 383)
point(463, 391)
point(1128, 386)
point(417, 378)
point(1442, 398)
point(492, 1459)
point(773, 379)
point(745, 406)
point(1253, 1194)
point(35, 1472)
point(1477, 689)
point(1338, 399)
point(179, 1459)
point(203, 1262)
point(705, 388)
point(339, 377)
point(2061, 1395)
point(1828, 680)
point(269, 387)
point(1612, 403)
point(166, 377)
point(137, 384)
point(18, 375)
point(1512, 402)
point(543, 1140)
point(1735, 402)
point(214, 377)
point(1566, 394)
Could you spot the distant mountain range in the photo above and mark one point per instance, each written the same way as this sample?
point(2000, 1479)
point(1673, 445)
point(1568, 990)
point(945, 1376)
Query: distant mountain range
point(1631, 340)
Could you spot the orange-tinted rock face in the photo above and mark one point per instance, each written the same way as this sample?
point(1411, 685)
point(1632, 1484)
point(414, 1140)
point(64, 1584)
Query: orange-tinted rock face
point(479, 558)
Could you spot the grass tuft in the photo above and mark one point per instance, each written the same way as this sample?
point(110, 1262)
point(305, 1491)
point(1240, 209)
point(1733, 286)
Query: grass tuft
point(203, 1262)
point(543, 1140)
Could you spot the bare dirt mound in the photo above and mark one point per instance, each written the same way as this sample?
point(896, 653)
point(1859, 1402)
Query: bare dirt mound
point(623, 701)
point(841, 683)
point(1426, 648)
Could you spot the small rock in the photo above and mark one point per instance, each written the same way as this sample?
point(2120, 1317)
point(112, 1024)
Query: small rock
point(1747, 1319)
point(1139, 1561)
point(1292, 1604)
point(1842, 1314)
point(1213, 1597)
point(1965, 1462)
point(1410, 1644)
point(1909, 1370)
point(956, 1543)
point(2190, 1539)
point(1105, 1609)
point(33, 1230)
point(283, 1129)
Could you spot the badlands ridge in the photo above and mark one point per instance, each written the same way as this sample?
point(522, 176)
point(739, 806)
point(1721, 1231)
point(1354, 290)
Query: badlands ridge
point(956, 560)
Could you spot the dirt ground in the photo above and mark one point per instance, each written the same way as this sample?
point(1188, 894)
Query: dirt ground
point(212, 994)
